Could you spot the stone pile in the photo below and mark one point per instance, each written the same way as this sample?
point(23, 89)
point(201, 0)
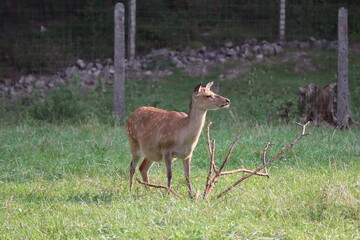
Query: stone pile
point(90, 75)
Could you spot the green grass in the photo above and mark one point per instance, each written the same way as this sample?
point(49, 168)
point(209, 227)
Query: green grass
point(68, 178)
point(66, 182)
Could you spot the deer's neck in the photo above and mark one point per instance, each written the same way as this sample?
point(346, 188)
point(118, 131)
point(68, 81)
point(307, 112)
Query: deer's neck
point(195, 123)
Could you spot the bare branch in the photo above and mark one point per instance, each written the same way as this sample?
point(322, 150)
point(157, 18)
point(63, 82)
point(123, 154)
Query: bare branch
point(212, 166)
point(209, 186)
point(243, 170)
point(271, 160)
point(159, 186)
point(213, 156)
point(264, 157)
point(211, 149)
point(229, 153)
point(208, 137)
point(303, 126)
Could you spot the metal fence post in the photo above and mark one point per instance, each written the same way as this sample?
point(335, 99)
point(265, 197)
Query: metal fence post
point(119, 61)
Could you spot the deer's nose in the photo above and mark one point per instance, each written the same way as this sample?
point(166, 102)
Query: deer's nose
point(227, 101)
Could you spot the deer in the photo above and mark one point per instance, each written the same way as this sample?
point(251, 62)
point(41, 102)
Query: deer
point(162, 135)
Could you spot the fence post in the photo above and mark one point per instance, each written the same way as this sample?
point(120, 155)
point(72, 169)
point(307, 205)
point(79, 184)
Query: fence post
point(131, 31)
point(119, 61)
point(343, 112)
point(282, 20)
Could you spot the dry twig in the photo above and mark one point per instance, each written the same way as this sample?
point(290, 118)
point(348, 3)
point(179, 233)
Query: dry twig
point(211, 149)
point(271, 160)
point(268, 144)
point(210, 185)
point(159, 186)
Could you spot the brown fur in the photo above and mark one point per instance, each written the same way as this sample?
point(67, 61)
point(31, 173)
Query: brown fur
point(162, 135)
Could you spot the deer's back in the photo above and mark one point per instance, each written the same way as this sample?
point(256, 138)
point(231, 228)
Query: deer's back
point(153, 129)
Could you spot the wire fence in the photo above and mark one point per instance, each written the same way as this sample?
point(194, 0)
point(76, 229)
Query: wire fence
point(41, 36)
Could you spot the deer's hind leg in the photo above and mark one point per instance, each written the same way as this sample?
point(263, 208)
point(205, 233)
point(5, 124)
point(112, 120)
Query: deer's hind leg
point(144, 169)
point(136, 154)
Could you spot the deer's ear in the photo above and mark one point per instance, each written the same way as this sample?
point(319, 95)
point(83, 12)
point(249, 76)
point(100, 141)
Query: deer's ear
point(197, 89)
point(209, 85)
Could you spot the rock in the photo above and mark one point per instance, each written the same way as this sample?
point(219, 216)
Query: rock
point(18, 86)
point(50, 85)
point(60, 81)
point(277, 48)
point(230, 52)
point(312, 39)
point(179, 64)
point(331, 45)
point(89, 81)
point(259, 57)
point(29, 79)
point(267, 49)
point(70, 71)
point(148, 73)
point(112, 70)
point(8, 81)
point(96, 73)
point(162, 52)
point(202, 50)
point(12, 91)
point(92, 70)
point(245, 47)
point(90, 65)
point(256, 48)
point(228, 44)
point(191, 59)
point(80, 64)
point(39, 84)
point(98, 65)
point(220, 59)
point(304, 44)
point(136, 65)
point(29, 89)
point(210, 55)
point(292, 44)
point(22, 80)
point(318, 44)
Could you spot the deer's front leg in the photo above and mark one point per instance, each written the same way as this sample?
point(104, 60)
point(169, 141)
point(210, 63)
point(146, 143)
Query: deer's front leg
point(168, 161)
point(186, 163)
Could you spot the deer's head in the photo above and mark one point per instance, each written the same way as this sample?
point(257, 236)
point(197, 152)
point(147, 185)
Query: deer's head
point(205, 99)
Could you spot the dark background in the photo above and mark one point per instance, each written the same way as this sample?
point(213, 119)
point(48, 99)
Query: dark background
point(84, 28)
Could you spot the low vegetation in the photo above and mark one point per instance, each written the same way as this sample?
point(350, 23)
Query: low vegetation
point(65, 176)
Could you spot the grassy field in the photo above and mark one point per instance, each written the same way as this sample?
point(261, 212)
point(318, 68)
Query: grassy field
point(68, 179)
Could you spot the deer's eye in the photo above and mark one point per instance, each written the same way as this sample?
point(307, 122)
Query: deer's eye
point(208, 96)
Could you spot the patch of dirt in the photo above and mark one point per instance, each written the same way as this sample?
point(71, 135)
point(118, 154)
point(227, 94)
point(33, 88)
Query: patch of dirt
point(197, 70)
point(302, 59)
point(241, 69)
point(303, 62)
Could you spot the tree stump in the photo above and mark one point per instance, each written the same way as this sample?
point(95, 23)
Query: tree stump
point(318, 104)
